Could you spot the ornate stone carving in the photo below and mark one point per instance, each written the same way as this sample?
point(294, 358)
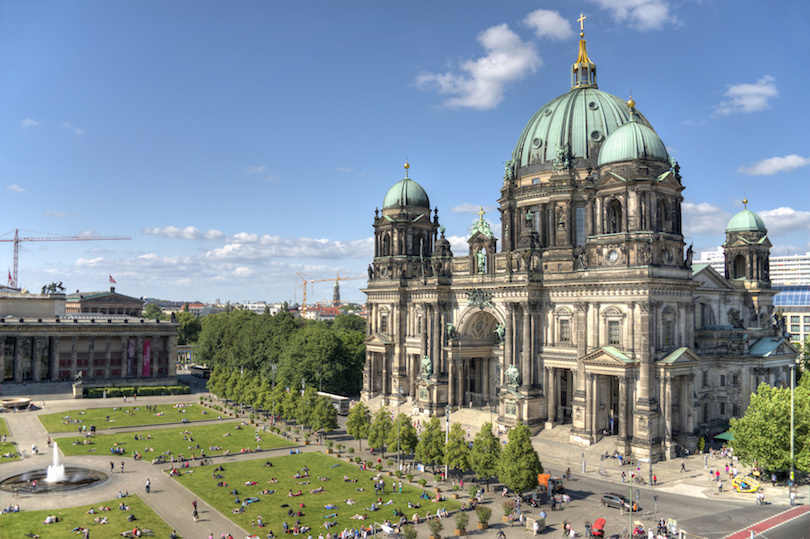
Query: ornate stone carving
point(479, 298)
point(427, 366)
point(581, 306)
point(512, 376)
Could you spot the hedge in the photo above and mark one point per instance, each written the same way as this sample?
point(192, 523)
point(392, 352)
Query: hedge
point(98, 392)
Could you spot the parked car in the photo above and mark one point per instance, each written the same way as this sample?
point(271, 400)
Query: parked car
point(615, 500)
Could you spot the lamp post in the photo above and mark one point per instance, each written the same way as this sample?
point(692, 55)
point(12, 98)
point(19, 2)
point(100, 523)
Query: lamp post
point(273, 368)
point(400, 391)
point(792, 384)
point(446, 439)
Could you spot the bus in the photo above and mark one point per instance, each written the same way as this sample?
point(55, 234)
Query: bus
point(340, 402)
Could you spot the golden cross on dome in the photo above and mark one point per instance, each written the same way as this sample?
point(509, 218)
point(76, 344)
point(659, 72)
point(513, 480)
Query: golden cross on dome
point(481, 213)
point(581, 21)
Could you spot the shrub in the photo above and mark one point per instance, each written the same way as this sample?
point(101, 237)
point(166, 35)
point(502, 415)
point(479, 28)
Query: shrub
point(508, 507)
point(484, 513)
point(409, 532)
point(330, 444)
point(462, 519)
point(701, 443)
point(472, 491)
point(379, 467)
point(351, 451)
point(422, 482)
point(358, 460)
point(389, 463)
point(455, 488)
point(409, 477)
point(437, 477)
point(435, 527)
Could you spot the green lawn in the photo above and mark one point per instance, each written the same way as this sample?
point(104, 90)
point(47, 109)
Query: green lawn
point(124, 416)
point(6, 449)
point(4, 427)
point(269, 506)
point(25, 522)
point(177, 440)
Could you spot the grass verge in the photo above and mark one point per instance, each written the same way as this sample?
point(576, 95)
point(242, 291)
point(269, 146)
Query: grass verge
point(124, 416)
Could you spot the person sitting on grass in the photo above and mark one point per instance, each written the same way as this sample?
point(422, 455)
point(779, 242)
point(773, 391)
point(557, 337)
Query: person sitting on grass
point(50, 519)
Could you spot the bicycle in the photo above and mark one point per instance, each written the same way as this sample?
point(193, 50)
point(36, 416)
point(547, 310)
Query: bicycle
point(640, 481)
point(625, 534)
point(602, 472)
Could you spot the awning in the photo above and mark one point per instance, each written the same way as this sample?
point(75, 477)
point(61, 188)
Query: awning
point(724, 436)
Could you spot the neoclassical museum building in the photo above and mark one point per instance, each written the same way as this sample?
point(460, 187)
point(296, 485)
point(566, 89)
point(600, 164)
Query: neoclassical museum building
point(590, 312)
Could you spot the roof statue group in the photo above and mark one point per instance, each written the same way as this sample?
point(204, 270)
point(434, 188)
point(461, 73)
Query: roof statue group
point(590, 312)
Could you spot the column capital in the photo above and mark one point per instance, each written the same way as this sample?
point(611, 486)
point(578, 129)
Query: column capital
point(581, 306)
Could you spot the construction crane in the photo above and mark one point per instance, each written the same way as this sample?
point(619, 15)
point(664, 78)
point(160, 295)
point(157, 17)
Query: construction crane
point(305, 282)
point(17, 239)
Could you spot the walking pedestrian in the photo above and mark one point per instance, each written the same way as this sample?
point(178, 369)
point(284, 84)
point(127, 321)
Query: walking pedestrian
point(122, 466)
point(624, 476)
point(792, 497)
point(148, 485)
point(194, 515)
point(112, 466)
point(194, 504)
point(683, 466)
point(655, 480)
point(719, 486)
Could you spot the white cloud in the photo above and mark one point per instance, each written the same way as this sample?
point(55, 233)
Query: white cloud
point(703, 218)
point(785, 220)
point(255, 170)
point(30, 122)
point(344, 169)
point(14, 188)
point(76, 130)
point(250, 247)
point(459, 245)
point(466, 207)
point(271, 178)
point(641, 14)
point(242, 272)
point(551, 24)
point(188, 233)
point(484, 80)
point(767, 167)
point(748, 97)
point(51, 213)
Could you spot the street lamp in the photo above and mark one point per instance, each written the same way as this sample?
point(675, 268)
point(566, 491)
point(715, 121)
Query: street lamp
point(274, 368)
point(400, 392)
point(446, 440)
point(792, 384)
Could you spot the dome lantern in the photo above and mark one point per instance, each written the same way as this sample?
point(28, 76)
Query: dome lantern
point(583, 72)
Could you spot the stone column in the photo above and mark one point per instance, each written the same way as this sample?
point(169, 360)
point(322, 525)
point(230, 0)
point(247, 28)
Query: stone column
point(18, 366)
point(435, 340)
point(139, 357)
point(526, 340)
point(631, 327)
point(54, 359)
point(36, 358)
point(594, 402)
point(2, 357)
point(508, 345)
point(623, 408)
point(124, 342)
point(684, 405)
point(551, 394)
point(644, 399)
point(581, 327)
point(107, 356)
point(452, 381)
point(552, 233)
point(73, 355)
point(690, 417)
point(596, 338)
point(91, 357)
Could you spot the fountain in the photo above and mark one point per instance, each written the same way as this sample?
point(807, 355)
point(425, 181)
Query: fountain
point(56, 471)
point(56, 478)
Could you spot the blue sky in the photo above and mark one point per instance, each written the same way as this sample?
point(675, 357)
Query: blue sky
point(238, 143)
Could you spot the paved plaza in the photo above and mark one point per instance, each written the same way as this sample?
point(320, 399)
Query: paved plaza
point(173, 502)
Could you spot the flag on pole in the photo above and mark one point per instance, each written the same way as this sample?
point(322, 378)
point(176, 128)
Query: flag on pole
point(112, 281)
point(10, 280)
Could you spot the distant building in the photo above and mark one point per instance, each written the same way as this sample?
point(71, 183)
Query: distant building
point(42, 340)
point(784, 270)
point(336, 295)
point(793, 303)
point(103, 303)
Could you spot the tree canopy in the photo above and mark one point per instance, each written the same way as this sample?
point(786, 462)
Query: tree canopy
point(381, 425)
point(485, 454)
point(430, 448)
point(457, 452)
point(519, 465)
point(358, 422)
point(763, 433)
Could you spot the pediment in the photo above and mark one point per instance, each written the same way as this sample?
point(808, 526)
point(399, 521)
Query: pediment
point(608, 355)
point(708, 278)
point(609, 179)
point(668, 178)
point(681, 356)
point(379, 339)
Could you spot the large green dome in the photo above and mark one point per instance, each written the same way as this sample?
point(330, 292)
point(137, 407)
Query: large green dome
point(406, 192)
point(574, 125)
point(633, 141)
point(746, 221)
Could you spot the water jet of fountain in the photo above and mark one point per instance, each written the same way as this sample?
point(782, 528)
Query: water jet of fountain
point(56, 471)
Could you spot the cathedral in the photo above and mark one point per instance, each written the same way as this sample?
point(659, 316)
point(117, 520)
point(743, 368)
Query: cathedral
point(590, 313)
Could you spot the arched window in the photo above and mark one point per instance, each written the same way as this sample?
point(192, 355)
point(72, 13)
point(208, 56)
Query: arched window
point(663, 215)
point(739, 267)
point(420, 245)
point(704, 315)
point(614, 217)
point(386, 245)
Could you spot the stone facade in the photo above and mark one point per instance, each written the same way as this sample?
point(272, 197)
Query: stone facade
point(592, 313)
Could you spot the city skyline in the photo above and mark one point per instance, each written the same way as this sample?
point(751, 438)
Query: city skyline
point(240, 144)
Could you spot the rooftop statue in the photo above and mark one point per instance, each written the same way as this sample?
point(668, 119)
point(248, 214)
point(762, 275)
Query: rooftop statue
point(512, 376)
point(427, 366)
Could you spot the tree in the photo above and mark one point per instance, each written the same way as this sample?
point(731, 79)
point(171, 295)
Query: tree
point(457, 452)
point(358, 422)
point(380, 427)
point(406, 432)
point(486, 454)
point(217, 382)
point(289, 407)
point(153, 312)
point(305, 407)
point(519, 464)
point(190, 327)
point(804, 355)
point(763, 433)
point(324, 415)
point(430, 448)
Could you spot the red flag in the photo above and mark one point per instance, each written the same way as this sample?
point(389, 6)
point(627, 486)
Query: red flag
point(112, 281)
point(10, 282)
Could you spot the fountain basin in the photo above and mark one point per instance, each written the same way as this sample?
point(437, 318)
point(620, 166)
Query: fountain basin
point(15, 402)
point(75, 478)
